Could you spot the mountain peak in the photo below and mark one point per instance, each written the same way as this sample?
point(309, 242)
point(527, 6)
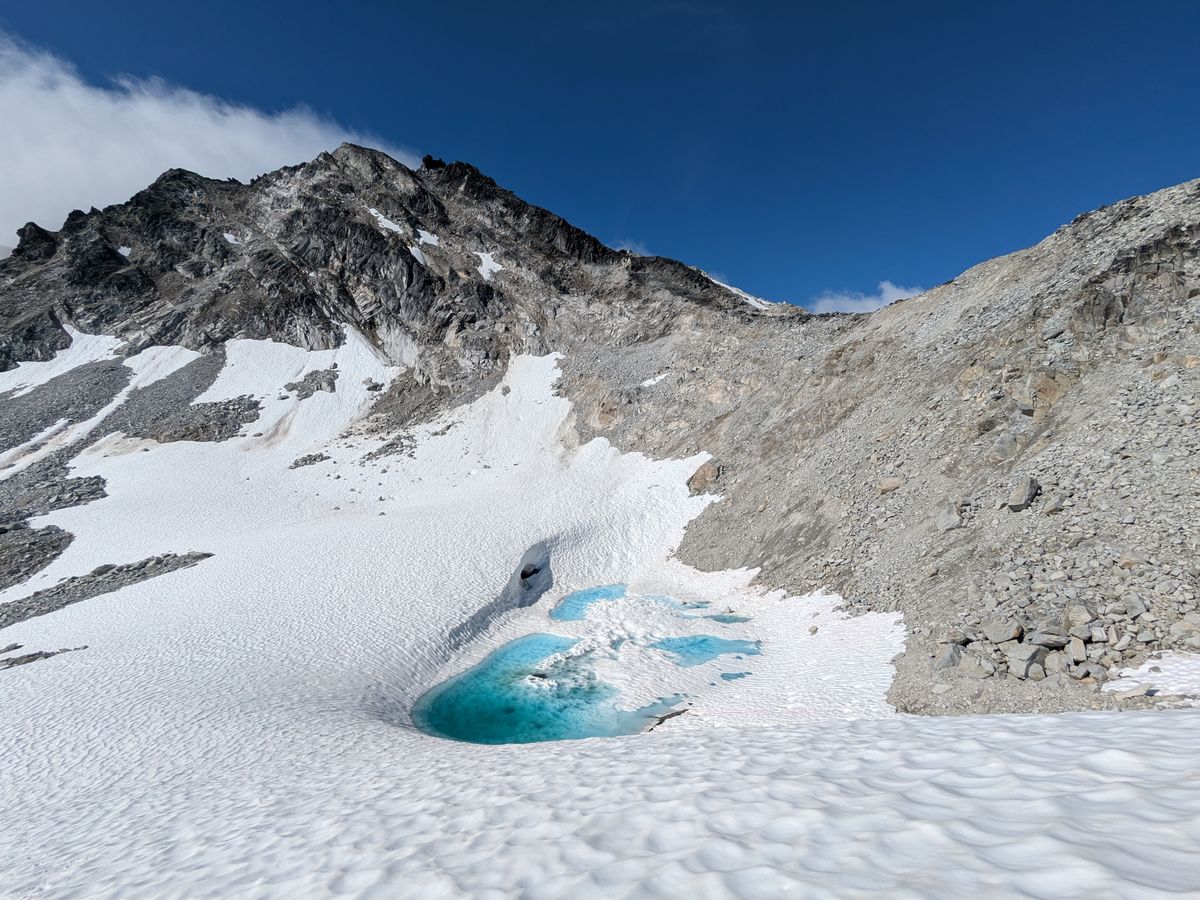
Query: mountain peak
point(346, 239)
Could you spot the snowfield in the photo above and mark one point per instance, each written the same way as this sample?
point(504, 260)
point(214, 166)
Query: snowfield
point(240, 727)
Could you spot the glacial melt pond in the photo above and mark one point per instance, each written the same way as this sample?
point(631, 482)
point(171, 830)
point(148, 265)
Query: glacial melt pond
point(534, 688)
point(512, 698)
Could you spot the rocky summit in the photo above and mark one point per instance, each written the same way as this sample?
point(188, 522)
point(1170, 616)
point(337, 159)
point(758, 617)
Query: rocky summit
point(1011, 459)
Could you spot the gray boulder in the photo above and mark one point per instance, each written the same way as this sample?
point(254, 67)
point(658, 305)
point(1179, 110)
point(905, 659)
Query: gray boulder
point(1023, 493)
point(1046, 635)
point(999, 632)
point(949, 658)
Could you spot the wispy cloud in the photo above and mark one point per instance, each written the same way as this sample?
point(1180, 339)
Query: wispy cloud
point(853, 301)
point(635, 247)
point(67, 144)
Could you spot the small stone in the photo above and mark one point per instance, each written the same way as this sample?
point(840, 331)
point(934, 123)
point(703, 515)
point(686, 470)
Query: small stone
point(1091, 670)
point(1015, 650)
point(705, 477)
point(1048, 636)
point(887, 485)
point(975, 666)
point(1131, 558)
point(1056, 663)
point(1024, 660)
point(1005, 448)
point(1077, 650)
point(947, 517)
point(999, 632)
point(1130, 693)
point(1023, 494)
point(950, 658)
point(1134, 607)
point(1055, 504)
point(1076, 615)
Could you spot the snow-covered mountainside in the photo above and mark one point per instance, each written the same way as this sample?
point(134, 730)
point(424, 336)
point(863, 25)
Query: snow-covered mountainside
point(300, 478)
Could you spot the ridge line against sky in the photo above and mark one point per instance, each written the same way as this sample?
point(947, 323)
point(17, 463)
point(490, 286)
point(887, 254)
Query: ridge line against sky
point(801, 152)
point(83, 145)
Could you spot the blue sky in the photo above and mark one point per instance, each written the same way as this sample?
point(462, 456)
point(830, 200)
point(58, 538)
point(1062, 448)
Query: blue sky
point(791, 149)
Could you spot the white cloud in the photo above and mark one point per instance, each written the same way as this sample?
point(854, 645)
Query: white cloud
point(66, 144)
point(853, 301)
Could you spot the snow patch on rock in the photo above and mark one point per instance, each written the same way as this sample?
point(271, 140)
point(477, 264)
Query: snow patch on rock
point(384, 222)
point(488, 266)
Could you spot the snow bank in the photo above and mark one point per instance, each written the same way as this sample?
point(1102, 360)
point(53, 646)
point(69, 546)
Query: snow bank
point(84, 348)
point(1171, 673)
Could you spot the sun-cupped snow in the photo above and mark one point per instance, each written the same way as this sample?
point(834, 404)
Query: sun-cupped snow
point(427, 237)
point(415, 250)
point(488, 265)
point(384, 222)
point(241, 726)
point(125, 251)
point(231, 238)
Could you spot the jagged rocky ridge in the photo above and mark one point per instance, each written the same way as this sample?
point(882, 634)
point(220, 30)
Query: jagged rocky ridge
point(1009, 459)
point(301, 252)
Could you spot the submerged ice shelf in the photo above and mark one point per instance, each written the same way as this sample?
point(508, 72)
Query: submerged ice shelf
point(521, 693)
point(698, 649)
point(574, 606)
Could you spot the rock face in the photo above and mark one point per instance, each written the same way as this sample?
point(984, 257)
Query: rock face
point(1009, 458)
point(353, 238)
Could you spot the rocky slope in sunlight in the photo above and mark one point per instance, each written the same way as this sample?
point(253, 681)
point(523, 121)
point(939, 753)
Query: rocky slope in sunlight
point(1009, 459)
